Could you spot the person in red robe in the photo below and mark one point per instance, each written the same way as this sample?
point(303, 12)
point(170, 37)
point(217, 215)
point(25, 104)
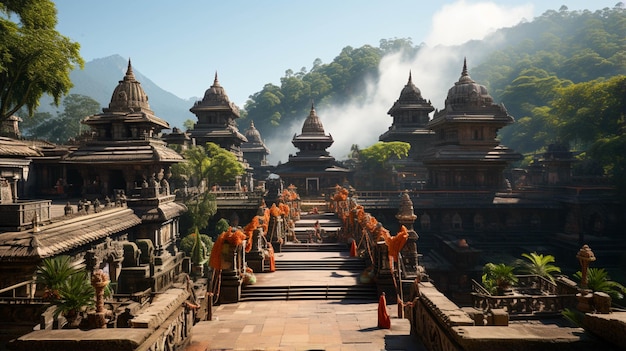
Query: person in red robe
point(384, 322)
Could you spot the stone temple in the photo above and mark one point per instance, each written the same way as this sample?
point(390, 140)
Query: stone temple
point(455, 203)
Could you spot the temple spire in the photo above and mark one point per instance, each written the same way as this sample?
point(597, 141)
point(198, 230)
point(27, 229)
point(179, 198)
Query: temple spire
point(464, 73)
point(215, 81)
point(129, 71)
point(410, 77)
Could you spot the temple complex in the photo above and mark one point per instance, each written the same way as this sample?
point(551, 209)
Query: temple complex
point(312, 169)
point(424, 243)
point(410, 118)
point(466, 153)
point(217, 123)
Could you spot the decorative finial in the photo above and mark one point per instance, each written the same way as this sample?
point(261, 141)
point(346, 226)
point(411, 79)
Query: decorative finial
point(251, 124)
point(129, 70)
point(215, 81)
point(464, 73)
point(410, 77)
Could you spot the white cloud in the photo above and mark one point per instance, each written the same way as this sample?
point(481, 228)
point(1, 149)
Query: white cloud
point(461, 21)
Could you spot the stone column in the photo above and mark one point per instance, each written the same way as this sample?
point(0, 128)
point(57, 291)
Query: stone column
point(407, 217)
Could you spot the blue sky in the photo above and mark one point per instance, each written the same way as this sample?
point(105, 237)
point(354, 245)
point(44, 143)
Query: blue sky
point(180, 45)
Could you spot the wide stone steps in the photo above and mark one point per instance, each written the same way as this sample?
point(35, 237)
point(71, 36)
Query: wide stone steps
point(309, 292)
point(313, 247)
point(353, 265)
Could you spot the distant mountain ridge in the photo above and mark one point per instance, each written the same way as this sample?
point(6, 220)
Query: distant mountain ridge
point(100, 77)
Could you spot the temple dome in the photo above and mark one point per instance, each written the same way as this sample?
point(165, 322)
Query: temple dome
point(128, 95)
point(468, 92)
point(410, 92)
point(312, 124)
point(215, 95)
point(253, 135)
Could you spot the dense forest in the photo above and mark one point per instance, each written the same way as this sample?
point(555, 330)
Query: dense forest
point(561, 75)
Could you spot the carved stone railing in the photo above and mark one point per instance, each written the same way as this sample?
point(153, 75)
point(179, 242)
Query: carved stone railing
point(524, 304)
point(20, 215)
point(532, 294)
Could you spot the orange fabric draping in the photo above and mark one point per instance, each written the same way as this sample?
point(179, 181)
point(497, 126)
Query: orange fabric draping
point(274, 211)
point(384, 322)
point(396, 243)
point(234, 238)
point(215, 260)
point(248, 230)
point(284, 209)
point(270, 251)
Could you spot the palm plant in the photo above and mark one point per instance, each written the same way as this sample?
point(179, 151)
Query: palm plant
point(598, 280)
point(540, 265)
point(498, 277)
point(54, 271)
point(75, 295)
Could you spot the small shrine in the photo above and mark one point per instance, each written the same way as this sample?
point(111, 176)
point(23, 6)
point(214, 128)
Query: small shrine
point(312, 168)
point(217, 123)
point(255, 151)
point(410, 119)
point(466, 153)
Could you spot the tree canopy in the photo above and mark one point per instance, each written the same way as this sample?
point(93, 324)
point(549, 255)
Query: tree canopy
point(35, 59)
point(66, 125)
point(336, 82)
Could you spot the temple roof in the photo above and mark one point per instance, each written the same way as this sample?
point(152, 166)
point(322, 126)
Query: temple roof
point(313, 138)
point(140, 152)
point(129, 104)
point(128, 95)
point(468, 92)
point(312, 124)
point(62, 237)
point(254, 143)
point(10, 148)
point(215, 98)
point(410, 92)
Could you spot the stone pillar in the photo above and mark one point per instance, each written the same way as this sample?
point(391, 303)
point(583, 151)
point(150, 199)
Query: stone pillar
point(255, 257)
point(384, 278)
point(407, 217)
point(230, 290)
point(99, 281)
point(585, 256)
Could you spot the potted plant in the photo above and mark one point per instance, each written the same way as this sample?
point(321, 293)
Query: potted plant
point(76, 295)
point(498, 278)
point(52, 272)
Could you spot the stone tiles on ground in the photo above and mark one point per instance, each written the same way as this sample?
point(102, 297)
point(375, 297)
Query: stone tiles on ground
point(301, 325)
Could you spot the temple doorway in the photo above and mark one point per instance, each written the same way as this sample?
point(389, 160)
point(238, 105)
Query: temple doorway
point(312, 186)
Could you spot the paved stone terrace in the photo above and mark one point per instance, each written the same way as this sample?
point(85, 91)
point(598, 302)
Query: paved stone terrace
point(301, 325)
point(288, 325)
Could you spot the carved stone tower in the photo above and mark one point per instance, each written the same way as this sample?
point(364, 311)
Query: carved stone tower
point(217, 121)
point(410, 119)
point(466, 152)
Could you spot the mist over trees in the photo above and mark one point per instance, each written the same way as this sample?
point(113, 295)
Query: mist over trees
point(334, 83)
point(561, 75)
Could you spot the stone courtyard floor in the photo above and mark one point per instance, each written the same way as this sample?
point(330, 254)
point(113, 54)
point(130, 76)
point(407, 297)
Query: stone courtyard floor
point(301, 325)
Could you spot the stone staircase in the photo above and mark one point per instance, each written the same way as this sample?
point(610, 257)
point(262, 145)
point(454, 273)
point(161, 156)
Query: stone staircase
point(312, 271)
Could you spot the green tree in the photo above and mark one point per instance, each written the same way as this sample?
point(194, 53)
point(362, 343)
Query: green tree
point(379, 154)
point(204, 166)
point(539, 264)
point(67, 124)
point(598, 280)
point(224, 166)
point(35, 59)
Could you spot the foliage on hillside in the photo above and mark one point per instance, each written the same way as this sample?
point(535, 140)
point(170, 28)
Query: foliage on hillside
point(545, 57)
point(339, 81)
